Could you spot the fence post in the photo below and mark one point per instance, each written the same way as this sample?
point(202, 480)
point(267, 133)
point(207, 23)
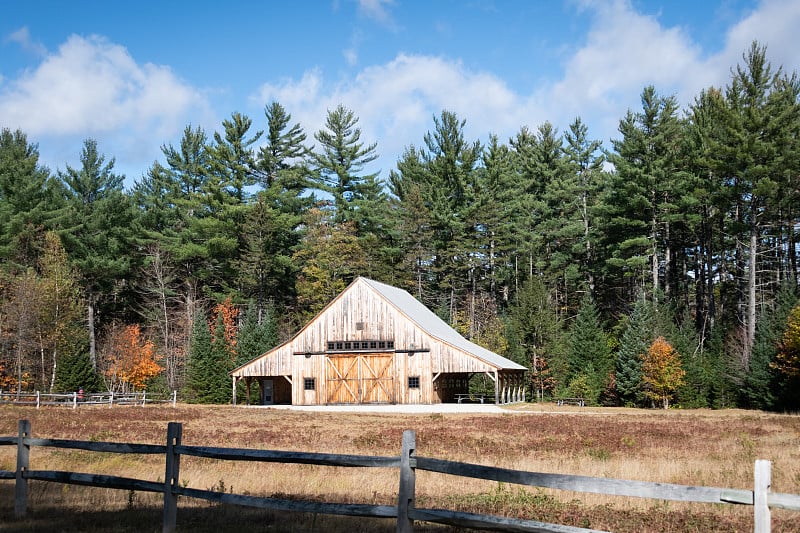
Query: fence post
point(74, 400)
point(144, 398)
point(171, 477)
point(23, 460)
point(174, 397)
point(763, 483)
point(406, 493)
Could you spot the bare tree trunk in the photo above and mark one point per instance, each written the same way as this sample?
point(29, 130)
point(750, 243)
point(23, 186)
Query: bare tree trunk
point(92, 337)
point(751, 297)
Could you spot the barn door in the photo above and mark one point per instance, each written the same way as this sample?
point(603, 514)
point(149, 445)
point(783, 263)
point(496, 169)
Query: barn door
point(360, 378)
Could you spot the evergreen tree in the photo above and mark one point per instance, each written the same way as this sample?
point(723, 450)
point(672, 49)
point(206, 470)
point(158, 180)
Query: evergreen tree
point(342, 157)
point(761, 385)
point(635, 341)
point(100, 233)
point(588, 353)
point(28, 200)
point(537, 328)
point(200, 378)
point(256, 335)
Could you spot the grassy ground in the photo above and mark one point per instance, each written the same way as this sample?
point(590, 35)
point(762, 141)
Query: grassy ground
point(712, 448)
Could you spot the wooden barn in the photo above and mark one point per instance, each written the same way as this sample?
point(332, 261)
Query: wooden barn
point(374, 344)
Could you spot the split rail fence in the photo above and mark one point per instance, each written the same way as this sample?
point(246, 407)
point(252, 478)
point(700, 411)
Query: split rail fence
point(408, 462)
point(75, 399)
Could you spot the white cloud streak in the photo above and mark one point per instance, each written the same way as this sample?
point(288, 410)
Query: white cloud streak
point(92, 87)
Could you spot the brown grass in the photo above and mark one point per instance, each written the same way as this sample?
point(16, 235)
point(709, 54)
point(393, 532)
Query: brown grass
point(713, 448)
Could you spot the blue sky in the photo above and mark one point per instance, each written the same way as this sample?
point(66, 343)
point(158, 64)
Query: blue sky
point(132, 75)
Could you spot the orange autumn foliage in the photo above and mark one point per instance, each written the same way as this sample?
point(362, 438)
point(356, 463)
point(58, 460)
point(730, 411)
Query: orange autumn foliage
point(227, 312)
point(131, 358)
point(662, 371)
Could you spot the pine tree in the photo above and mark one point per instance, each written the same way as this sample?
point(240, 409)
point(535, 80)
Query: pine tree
point(588, 352)
point(100, 234)
point(29, 204)
point(200, 364)
point(342, 157)
point(635, 342)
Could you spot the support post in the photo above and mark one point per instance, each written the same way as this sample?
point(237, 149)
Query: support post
point(763, 483)
point(172, 477)
point(174, 398)
point(74, 400)
point(408, 476)
point(23, 461)
point(233, 391)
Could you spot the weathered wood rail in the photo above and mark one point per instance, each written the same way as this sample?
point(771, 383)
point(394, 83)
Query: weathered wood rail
point(75, 399)
point(408, 462)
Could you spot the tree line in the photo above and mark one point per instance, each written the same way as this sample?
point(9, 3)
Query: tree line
point(660, 269)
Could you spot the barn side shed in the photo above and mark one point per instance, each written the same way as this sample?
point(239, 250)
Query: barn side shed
point(375, 343)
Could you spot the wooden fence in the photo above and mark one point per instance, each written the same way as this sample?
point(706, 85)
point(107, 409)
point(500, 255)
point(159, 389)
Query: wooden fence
point(408, 462)
point(76, 399)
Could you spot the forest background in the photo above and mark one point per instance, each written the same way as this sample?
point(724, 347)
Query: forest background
point(661, 269)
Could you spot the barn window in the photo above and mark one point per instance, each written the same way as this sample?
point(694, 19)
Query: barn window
point(347, 346)
point(331, 346)
point(413, 382)
point(309, 384)
point(373, 345)
point(364, 345)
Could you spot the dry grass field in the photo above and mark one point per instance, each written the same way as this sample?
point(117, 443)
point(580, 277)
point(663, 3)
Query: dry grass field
point(713, 448)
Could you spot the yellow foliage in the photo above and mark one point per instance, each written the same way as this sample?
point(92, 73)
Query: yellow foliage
point(788, 359)
point(662, 371)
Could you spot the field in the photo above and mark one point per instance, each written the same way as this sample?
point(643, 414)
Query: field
point(713, 448)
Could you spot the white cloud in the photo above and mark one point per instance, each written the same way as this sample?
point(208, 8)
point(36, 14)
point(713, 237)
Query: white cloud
point(774, 24)
point(396, 102)
point(93, 88)
point(377, 10)
point(23, 38)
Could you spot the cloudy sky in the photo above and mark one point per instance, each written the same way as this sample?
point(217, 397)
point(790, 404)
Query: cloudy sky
point(132, 75)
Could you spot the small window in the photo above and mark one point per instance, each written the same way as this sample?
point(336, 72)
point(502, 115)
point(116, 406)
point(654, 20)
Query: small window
point(364, 345)
point(413, 382)
point(309, 384)
point(331, 345)
point(373, 345)
point(382, 345)
point(338, 345)
point(390, 345)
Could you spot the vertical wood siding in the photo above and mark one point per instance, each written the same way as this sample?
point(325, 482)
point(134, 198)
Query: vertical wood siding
point(358, 314)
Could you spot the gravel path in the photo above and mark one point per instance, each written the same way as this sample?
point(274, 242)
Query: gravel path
point(396, 408)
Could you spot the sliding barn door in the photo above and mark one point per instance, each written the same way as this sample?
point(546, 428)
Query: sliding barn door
point(360, 378)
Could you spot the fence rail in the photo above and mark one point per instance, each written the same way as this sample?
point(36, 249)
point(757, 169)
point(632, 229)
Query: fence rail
point(76, 399)
point(408, 462)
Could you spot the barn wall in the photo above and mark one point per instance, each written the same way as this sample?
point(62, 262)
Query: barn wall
point(359, 314)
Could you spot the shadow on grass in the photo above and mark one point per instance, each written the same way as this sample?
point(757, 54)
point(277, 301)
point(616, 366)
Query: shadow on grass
point(194, 516)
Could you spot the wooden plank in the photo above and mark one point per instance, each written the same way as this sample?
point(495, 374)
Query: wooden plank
point(494, 523)
point(406, 495)
point(112, 447)
point(23, 462)
point(272, 456)
point(762, 482)
point(784, 501)
point(94, 480)
point(171, 477)
point(613, 487)
point(346, 509)
point(8, 474)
